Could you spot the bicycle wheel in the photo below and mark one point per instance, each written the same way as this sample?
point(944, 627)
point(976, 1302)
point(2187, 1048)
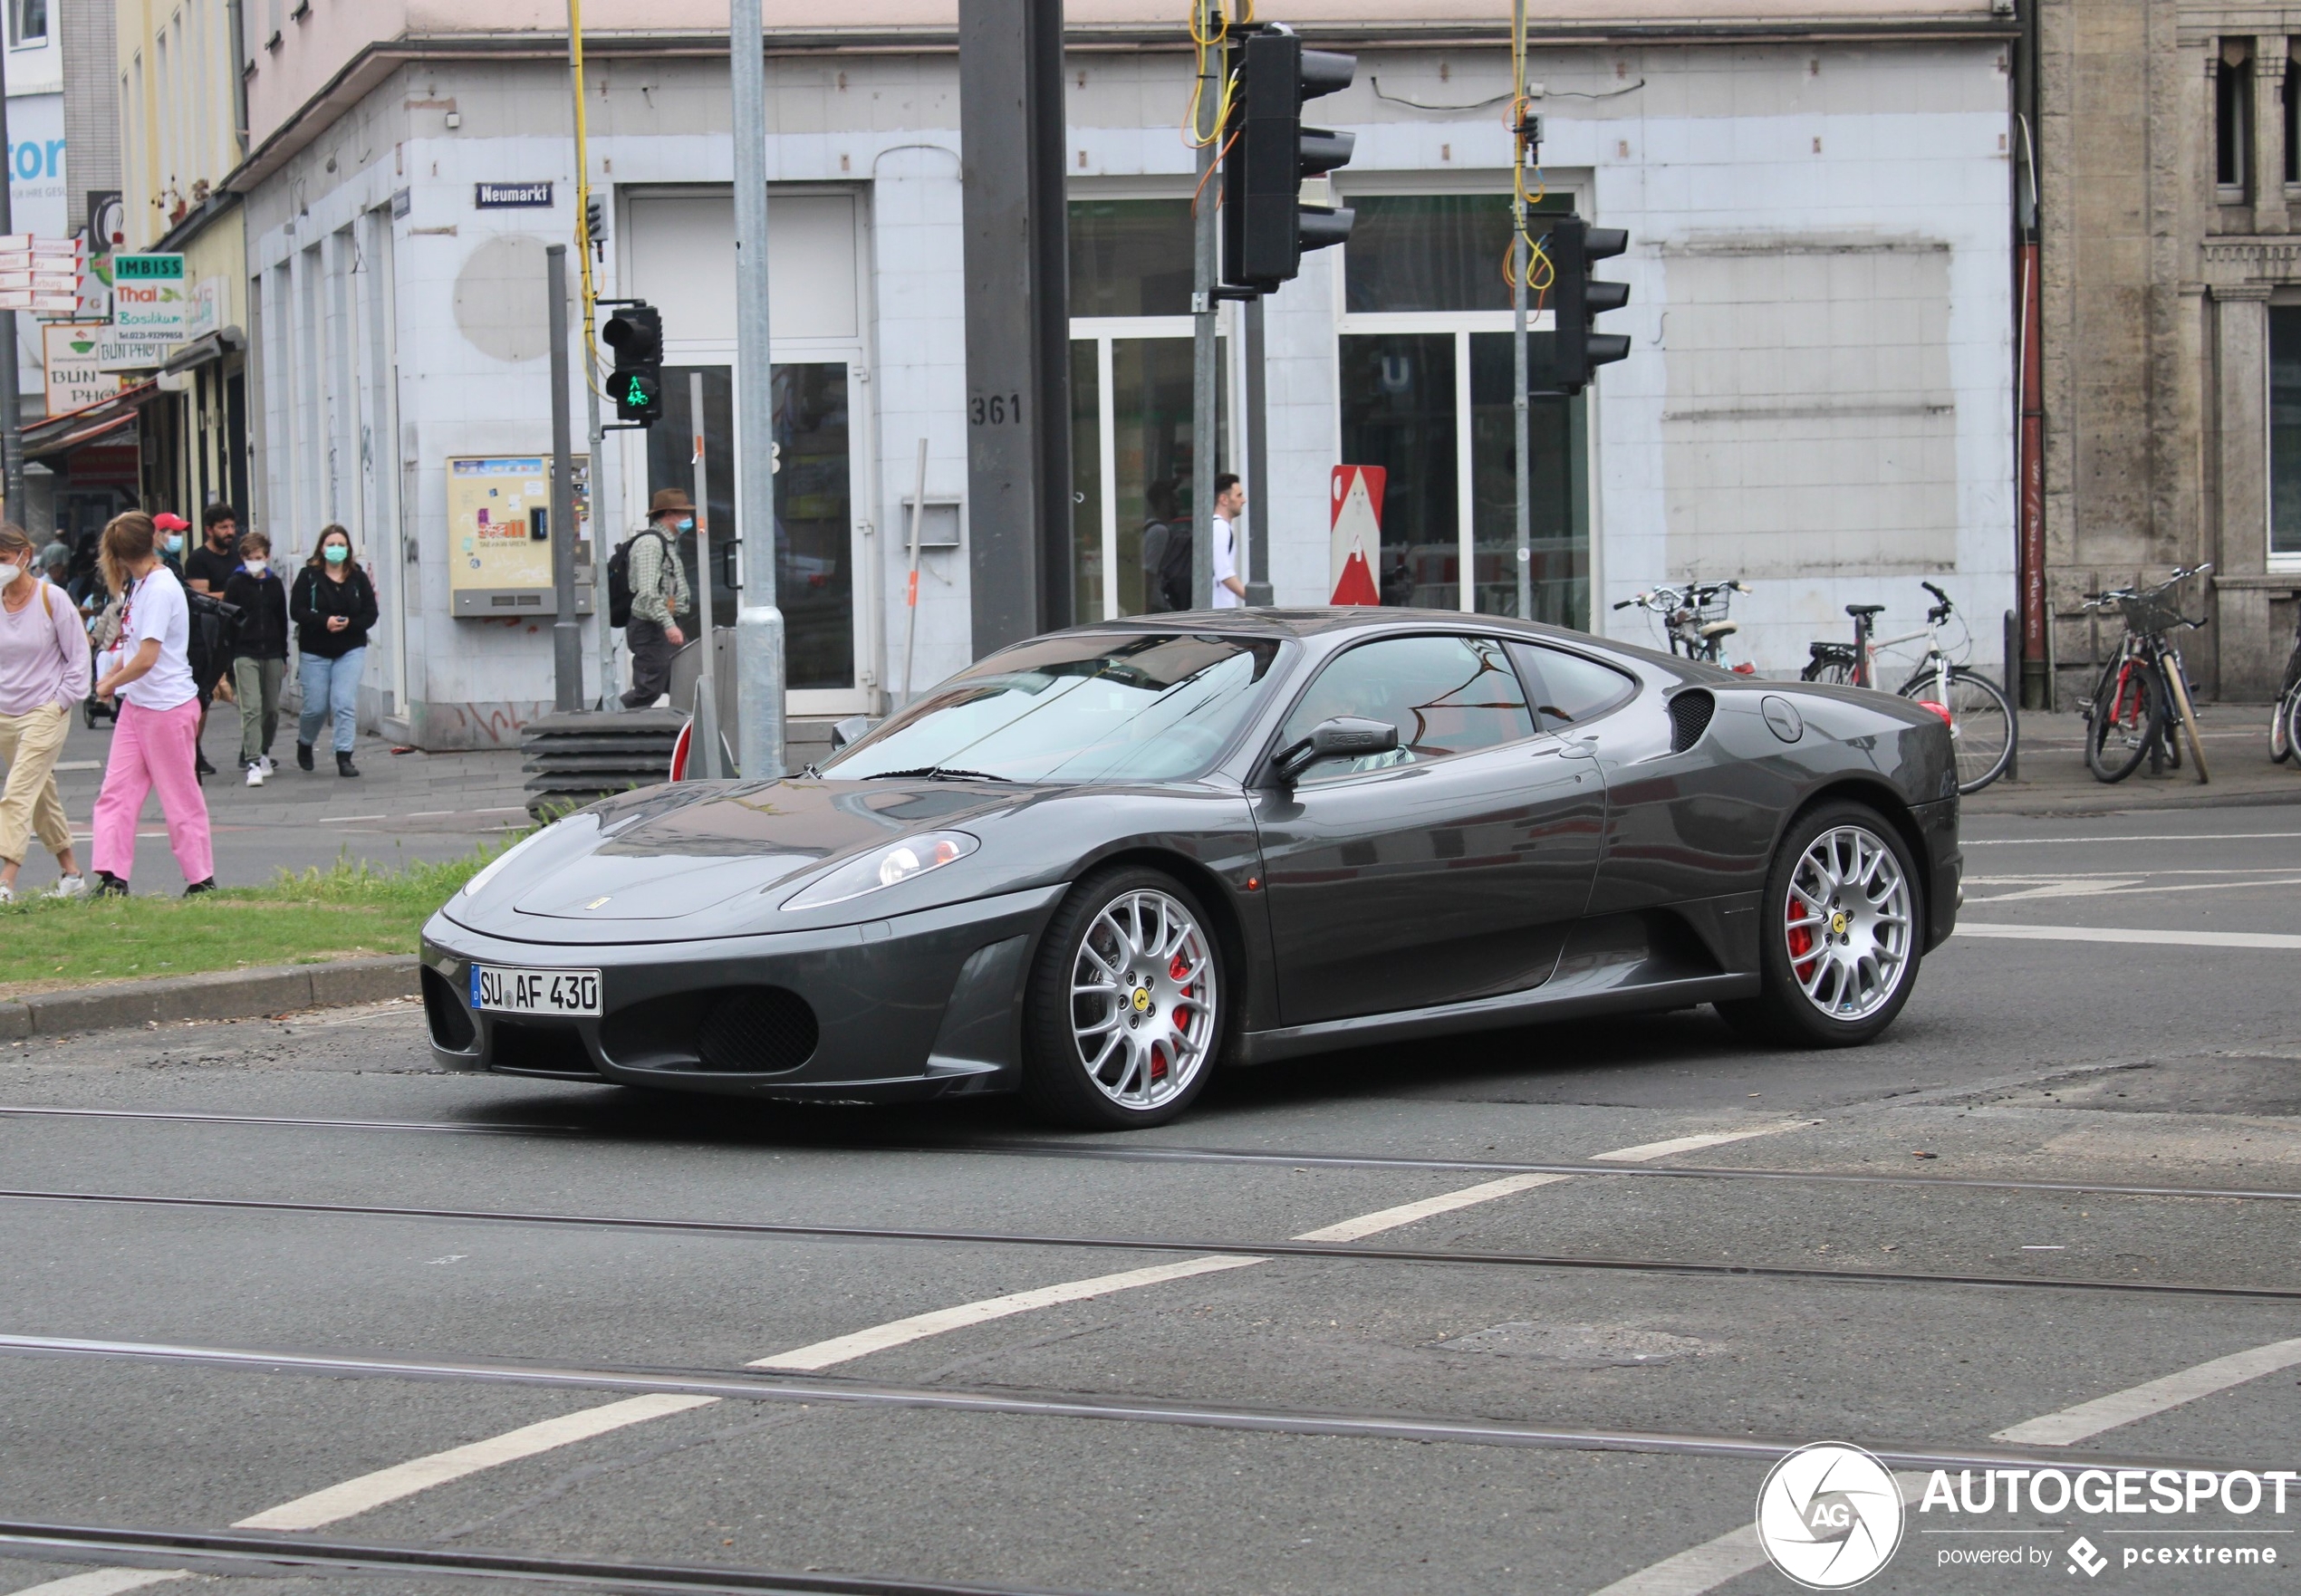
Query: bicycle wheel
point(2127, 719)
point(2281, 730)
point(2293, 718)
point(1830, 663)
point(2177, 685)
point(1982, 726)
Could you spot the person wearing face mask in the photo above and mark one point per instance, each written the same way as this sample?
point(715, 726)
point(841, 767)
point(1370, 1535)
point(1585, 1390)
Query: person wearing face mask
point(206, 571)
point(333, 606)
point(43, 673)
point(659, 595)
point(259, 652)
point(151, 671)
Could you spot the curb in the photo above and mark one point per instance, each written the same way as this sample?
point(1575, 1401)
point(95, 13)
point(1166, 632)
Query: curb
point(222, 995)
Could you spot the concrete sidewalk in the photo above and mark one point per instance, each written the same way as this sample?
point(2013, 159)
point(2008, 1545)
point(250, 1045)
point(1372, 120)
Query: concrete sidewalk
point(2054, 779)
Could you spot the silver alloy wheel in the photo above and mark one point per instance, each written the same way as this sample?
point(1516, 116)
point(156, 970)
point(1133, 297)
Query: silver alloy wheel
point(1847, 923)
point(1142, 998)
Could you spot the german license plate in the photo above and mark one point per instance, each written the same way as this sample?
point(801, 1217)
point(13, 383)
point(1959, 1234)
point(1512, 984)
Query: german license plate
point(535, 992)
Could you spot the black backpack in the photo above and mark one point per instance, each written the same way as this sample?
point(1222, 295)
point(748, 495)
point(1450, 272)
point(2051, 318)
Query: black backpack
point(619, 577)
point(1172, 577)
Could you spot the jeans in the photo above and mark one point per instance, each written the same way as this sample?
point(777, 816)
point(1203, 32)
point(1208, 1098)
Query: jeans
point(257, 684)
point(330, 685)
point(153, 748)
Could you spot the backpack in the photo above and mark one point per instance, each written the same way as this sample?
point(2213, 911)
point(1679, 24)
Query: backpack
point(1171, 580)
point(619, 577)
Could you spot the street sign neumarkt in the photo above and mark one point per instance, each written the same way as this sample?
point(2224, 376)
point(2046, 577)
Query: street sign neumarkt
point(511, 196)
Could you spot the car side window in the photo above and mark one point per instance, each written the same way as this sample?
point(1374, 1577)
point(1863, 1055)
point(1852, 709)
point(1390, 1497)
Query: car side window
point(1446, 695)
point(1569, 689)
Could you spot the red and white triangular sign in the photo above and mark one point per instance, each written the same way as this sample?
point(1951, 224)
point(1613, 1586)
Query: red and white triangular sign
point(1357, 537)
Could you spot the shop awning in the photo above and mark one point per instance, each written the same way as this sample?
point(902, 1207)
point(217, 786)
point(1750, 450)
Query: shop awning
point(215, 346)
point(60, 434)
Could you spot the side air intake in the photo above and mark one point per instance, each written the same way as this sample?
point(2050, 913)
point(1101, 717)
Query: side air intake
point(1689, 714)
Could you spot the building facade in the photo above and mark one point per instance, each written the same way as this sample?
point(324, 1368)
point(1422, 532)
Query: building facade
point(1819, 400)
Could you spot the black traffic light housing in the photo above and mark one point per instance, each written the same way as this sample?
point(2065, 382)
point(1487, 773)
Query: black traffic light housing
point(1577, 299)
point(1266, 226)
point(635, 333)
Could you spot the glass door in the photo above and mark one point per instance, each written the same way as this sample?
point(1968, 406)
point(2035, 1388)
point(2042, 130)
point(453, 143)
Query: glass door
point(1131, 453)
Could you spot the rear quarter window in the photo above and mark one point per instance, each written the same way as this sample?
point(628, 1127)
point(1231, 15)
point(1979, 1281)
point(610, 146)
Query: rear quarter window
point(1570, 690)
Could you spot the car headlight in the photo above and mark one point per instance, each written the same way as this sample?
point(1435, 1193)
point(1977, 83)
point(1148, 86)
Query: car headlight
point(495, 866)
point(885, 867)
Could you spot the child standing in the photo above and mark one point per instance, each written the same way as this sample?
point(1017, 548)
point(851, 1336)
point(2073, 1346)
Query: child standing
point(259, 654)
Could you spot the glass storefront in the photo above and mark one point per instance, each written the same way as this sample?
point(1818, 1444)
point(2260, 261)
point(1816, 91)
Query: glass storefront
point(2284, 434)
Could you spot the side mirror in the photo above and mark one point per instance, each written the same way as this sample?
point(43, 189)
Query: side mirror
point(1346, 736)
point(853, 729)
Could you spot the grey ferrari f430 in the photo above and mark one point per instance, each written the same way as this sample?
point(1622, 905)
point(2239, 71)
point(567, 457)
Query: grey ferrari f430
point(1097, 866)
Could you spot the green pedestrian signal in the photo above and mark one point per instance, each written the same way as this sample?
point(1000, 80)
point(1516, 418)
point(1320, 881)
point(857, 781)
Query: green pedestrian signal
point(635, 333)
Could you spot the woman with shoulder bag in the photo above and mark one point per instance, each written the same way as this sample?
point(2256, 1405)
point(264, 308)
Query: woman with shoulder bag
point(332, 607)
point(158, 724)
point(44, 675)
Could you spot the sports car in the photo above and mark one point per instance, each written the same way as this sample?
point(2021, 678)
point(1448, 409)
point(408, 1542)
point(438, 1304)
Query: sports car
point(1099, 865)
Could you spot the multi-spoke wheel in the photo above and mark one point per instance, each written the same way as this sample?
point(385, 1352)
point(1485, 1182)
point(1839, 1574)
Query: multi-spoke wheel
point(1125, 1016)
point(1839, 932)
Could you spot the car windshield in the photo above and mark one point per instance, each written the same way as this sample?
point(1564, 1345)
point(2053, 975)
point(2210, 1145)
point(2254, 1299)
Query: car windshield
point(1074, 708)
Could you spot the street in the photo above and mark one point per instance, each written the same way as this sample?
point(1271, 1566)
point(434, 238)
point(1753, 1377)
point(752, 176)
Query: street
point(1607, 1300)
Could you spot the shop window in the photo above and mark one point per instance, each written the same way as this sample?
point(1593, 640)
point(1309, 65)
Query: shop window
point(1131, 257)
point(1427, 252)
point(2233, 121)
point(2285, 437)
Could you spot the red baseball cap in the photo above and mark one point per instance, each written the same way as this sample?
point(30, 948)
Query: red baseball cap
point(168, 521)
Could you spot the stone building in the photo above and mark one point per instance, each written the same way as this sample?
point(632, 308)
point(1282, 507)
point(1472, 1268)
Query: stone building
point(2170, 222)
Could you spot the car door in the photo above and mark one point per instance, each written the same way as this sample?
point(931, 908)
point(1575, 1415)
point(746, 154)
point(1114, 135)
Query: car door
point(1447, 869)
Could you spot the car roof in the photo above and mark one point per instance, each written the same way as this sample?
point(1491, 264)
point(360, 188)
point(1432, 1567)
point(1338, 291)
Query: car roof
point(1313, 623)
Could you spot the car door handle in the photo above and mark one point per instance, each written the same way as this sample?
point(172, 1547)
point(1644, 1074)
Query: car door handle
point(1568, 748)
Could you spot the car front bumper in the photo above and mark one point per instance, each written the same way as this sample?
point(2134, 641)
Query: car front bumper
point(916, 1006)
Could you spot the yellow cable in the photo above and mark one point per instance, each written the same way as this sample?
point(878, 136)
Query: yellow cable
point(583, 197)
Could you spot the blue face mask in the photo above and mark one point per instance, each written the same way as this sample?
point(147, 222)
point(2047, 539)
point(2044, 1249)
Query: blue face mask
point(687, 524)
point(335, 554)
point(175, 543)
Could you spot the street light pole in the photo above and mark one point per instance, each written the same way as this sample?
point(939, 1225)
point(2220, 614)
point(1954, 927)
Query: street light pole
point(758, 624)
point(567, 633)
point(1205, 378)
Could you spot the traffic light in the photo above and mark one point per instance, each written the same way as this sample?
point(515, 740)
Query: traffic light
point(635, 333)
point(1265, 226)
point(1577, 299)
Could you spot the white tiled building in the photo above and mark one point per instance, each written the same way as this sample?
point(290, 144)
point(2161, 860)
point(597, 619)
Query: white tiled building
point(1819, 400)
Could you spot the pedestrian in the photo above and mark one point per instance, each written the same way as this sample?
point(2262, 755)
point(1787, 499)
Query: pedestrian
point(259, 652)
point(659, 595)
point(1230, 503)
point(333, 606)
point(1166, 551)
point(55, 561)
point(43, 676)
point(206, 571)
point(151, 741)
point(169, 529)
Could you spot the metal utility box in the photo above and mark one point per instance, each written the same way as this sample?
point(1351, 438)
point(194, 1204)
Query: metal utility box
point(499, 536)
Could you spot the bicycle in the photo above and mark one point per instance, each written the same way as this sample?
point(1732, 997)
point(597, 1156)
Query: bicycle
point(1696, 620)
point(1982, 725)
point(2143, 693)
point(2285, 720)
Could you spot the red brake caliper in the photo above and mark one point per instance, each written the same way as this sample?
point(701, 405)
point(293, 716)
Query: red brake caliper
point(1176, 970)
point(1801, 940)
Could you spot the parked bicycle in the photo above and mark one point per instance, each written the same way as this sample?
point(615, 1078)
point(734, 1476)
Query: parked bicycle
point(1696, 618)
point(2285, 720)
point(2142, 704)
point(1982, 725)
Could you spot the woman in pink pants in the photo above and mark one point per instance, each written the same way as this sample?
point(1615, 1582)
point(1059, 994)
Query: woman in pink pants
point(155, 741)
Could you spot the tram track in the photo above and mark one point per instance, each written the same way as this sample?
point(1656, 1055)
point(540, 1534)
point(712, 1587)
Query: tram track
point(1257, 1251)
point(1154, 1154)
point(833, 1390)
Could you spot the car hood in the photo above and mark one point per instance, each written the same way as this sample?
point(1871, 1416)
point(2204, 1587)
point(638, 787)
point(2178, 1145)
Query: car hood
point(705, 859)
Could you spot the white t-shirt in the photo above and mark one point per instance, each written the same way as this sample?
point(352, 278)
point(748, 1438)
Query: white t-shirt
point(1226, 565)
point(157, 608)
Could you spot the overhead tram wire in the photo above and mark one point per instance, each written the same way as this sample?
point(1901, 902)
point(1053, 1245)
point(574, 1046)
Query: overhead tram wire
point(1202, 1155)
point(1259, 1250)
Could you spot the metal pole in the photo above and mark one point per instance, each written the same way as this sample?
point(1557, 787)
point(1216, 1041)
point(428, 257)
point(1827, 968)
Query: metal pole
point(758, 624)
point(11, 429)
point(1519, 405)
point(1257, 561)
point(1204, 378)
point(911, 592)
point(567, 635)
point(706, 738)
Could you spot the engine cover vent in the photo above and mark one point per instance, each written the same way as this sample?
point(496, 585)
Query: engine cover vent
point(1689, 714)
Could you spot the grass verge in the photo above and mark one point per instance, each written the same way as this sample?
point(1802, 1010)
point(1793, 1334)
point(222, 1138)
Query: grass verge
point(347, 910)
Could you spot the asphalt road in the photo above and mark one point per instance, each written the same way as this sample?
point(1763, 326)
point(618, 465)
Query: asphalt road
point(1627, 1411)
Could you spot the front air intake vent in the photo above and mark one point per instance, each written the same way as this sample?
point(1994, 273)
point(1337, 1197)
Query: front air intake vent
point(1689, 714)
point(757, 1031)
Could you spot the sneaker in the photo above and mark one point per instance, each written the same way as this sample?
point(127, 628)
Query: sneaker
point(196, 887)
point(70, 887)
point(271, 768)
point(255, 772)
point(109, 886)
point(7, 893)
point(304, 756)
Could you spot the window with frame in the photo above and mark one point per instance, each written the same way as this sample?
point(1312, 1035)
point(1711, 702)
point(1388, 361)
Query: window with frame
point(1569, 690)
point(27, 22)
point(1446, 695)
point(2233, 119)
point(2285, 437)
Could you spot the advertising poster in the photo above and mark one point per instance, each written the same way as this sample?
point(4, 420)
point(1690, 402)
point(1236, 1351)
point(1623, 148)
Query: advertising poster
point(74, 379)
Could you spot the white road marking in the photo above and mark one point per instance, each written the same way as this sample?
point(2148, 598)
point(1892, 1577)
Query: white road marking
point(1691, 1144)
point(2127, 886)
point(919, 1327)
point(355, 1496)
point(1713, 1563)
point(2267, 939)
point(2072, 1425)
point(2032, 877)
point(2182, 837)
point(345, 819)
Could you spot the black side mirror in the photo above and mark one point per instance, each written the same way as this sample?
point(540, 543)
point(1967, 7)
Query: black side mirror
point(1346, 736)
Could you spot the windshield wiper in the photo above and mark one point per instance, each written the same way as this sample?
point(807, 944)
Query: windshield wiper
point(934, 773)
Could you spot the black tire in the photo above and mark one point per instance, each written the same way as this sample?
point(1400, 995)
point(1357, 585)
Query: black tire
point(2281, 728)
point(2293, 721)
point(1982, 723)
point(1060, 1081)
point(1782, 1014)
point(2115, 749)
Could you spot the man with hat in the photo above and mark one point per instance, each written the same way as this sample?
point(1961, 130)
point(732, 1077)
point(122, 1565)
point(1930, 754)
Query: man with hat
point(659, 595)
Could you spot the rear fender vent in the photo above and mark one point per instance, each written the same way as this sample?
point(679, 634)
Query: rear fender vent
point(1689, 714)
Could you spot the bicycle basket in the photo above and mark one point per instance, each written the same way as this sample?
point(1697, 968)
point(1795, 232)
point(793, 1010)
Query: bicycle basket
point(2154, 609)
